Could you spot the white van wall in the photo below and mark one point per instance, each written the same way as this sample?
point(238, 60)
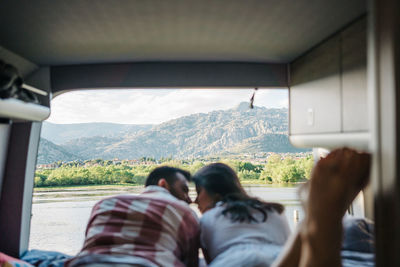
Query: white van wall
point(16, 198)
point(4, 135)
point(328, 92)
point(328, 98)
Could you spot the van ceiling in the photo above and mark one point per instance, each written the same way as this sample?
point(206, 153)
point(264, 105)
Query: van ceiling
point(59, 32)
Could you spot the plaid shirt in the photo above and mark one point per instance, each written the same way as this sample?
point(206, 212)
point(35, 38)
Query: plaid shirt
point(150, 229)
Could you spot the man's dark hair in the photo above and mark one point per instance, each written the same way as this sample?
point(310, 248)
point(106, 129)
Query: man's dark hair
point(168, 173)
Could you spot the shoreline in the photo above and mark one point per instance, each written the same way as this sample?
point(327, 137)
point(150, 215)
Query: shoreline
point(93, 187)
point(121, 187)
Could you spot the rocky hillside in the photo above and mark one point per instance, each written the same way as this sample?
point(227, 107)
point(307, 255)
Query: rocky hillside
point(50, 152)
point(62, 133)
point(238, 130)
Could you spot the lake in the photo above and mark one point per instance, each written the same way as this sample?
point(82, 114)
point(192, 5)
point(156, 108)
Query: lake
point(59, 217)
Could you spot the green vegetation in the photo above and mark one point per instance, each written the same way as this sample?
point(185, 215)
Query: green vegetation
point(104, 172)
point(68, 174)
point(287, 170)
point(235, 131)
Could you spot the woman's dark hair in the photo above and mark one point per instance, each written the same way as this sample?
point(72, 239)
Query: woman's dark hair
point(219, 180)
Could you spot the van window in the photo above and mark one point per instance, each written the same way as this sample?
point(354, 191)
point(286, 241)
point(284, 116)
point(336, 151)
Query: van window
point(99, 143)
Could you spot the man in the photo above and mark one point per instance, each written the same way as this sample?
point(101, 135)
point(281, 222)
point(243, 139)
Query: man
point(155, 228)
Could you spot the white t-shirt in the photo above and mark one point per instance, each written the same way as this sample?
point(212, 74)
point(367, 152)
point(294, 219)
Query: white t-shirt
point(219, 233)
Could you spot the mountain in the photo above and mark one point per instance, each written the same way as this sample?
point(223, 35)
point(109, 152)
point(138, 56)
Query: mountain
point(202, 134)
point(92, 147)
point(50, 152)
point(234, 131)
point(62, 133)
point(278, 143)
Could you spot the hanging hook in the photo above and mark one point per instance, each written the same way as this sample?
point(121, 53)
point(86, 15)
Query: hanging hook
point(252, 98)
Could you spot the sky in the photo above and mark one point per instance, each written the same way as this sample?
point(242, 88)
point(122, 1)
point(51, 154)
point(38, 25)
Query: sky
point(154, 106)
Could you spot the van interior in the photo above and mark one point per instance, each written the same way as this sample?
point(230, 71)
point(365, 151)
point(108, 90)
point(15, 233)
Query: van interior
point(340, 61)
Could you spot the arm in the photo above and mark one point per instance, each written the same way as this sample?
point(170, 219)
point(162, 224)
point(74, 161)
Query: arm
point(291, 252)
point(335, 182)
point(206, 256)
point(193, 253)
point(190, 232)
point(206, 227)
point(321, 243)
point(311, 246)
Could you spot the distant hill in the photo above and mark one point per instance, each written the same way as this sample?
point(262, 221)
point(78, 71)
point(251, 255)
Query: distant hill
point(50, 152)
point(62, 133)
point(278, 143)
point(234, 131)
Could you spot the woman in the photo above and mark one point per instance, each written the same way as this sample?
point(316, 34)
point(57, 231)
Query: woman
point(236, 229)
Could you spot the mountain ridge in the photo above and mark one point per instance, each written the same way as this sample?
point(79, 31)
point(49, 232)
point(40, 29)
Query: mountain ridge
point(236, 130)
point(62, 133)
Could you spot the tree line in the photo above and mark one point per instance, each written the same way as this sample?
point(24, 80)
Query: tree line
point(101, 172)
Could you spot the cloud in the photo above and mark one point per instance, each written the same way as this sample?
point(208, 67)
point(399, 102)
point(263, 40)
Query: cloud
point(152, 106)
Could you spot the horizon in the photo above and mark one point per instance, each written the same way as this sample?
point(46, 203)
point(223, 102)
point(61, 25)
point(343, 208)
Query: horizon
point(154, 106)
point(163, 121)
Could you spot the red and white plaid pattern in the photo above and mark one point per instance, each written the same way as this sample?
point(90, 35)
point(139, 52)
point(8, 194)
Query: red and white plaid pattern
point(153, 226)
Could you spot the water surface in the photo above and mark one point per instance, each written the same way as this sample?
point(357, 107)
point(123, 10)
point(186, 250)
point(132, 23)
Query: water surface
point(59, 218)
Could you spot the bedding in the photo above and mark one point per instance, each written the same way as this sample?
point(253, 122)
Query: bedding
point(8, 261)
point(43, 258)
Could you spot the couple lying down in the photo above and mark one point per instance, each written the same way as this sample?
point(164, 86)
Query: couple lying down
point(158, 228)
